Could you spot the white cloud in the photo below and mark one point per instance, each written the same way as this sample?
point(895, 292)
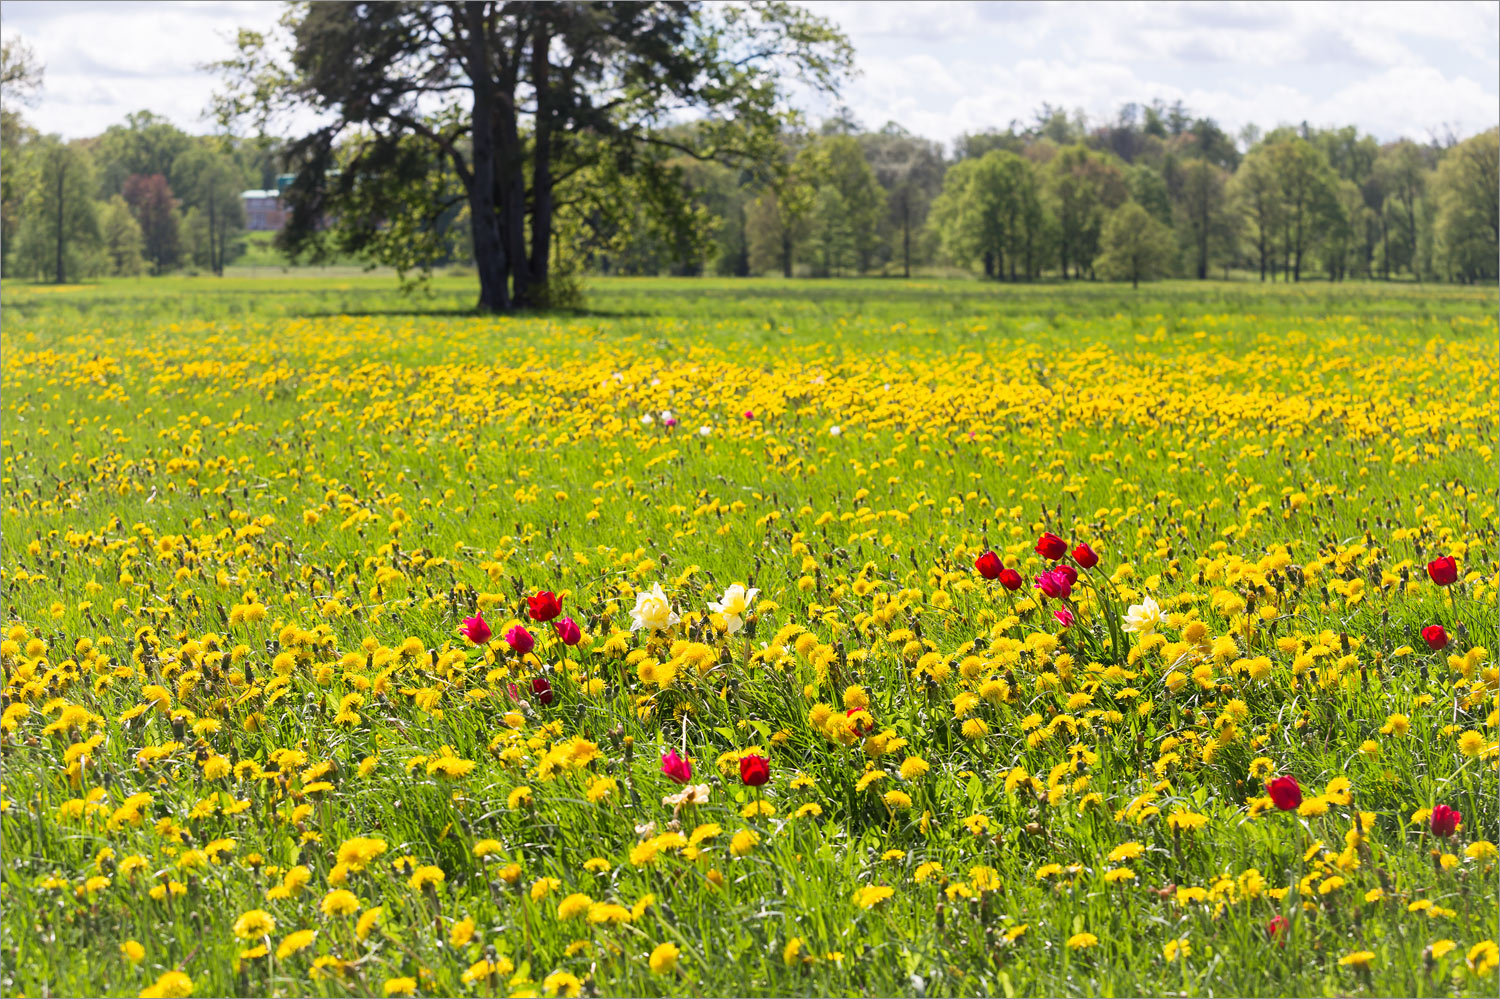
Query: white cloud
point(939, 68)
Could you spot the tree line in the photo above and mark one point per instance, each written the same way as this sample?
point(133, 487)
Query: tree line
point(143, 197)
point(1154, 193)
point(538, 142)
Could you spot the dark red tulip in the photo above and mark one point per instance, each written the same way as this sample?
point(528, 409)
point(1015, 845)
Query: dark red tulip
point(1285, 792)
point(1084, 556)
point(1010, 579)
point(1444, 821)
point(1443, 571)
point(989, 565)
point(1435, 637)
point(541, 690)
point(544, 606)
point(755, 770)
point(1277, 927)
point(1050, 546)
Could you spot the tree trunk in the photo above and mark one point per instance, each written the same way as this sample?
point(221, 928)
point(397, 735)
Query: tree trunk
point(489, 252)
point(906, 234)
point(213, 262)
point(511, 174)
point(786, 252)
point(62, 171)
point(541, 159)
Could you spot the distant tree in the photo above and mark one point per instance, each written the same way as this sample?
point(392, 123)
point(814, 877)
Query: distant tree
point(777, 220)
point(59, 231)
point(1149, 191)
point(153, 206)
point(1202, 210)
point(1467, 227)
point(990, 212)
point(1084, 186)
point(145, 144)
point(830, 244)
point(1136, 246)
point(20, 78)
point(838, 162)
point(210, 183)
point(120, 236)
point(910, 170)
point(1402, 174)
point(1255, 192)
point(1306, 194)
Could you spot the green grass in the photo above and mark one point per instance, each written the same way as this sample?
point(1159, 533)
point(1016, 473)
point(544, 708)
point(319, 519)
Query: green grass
point(1274, 465)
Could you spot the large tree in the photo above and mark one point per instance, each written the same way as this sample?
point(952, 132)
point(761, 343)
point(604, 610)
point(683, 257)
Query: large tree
point(514, 100)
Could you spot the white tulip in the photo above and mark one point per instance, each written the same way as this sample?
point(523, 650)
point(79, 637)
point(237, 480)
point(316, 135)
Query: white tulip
point(733, 606)
point(1143, 617)
point(652, 610)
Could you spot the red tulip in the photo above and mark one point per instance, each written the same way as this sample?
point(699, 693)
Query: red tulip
point(520, 640)
point(1050, 546)
point(1066, 572)
point(1084, 556)
point(1064, 617)
point(1435, 637)
point(679, 768)
point(749, 414)
point(1010, 579)
point(1285, 792)
point(989, 565)
point(1277, 927)
point(542, 690)
point(1443, 571)
point(475, 630)
point(755, 770)
point(567, 629)
point(544, 606)
point(1444, 821)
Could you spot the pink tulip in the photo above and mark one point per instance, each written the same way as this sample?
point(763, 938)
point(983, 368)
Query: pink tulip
point(679, 768)
point(520, 640)
point(567, 629)
point(475, 630)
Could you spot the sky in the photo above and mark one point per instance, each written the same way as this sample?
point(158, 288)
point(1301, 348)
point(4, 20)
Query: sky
point(938, 68)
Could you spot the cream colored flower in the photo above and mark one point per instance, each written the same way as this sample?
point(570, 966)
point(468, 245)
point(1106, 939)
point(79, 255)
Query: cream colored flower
point(652, 610)
point(691, 794)
point(733, 606)
point(1143, 617)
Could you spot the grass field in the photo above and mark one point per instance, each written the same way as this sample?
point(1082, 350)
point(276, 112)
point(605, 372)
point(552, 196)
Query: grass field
point(250, 749)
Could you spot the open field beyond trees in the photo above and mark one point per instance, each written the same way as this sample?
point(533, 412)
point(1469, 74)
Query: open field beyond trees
point(357, 645)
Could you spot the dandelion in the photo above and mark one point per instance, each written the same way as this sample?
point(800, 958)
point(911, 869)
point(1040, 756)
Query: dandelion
point(870, 896)
point(663, 959)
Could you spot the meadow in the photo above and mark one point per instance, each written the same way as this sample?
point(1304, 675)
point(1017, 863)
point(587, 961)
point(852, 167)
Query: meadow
point(749, 638)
